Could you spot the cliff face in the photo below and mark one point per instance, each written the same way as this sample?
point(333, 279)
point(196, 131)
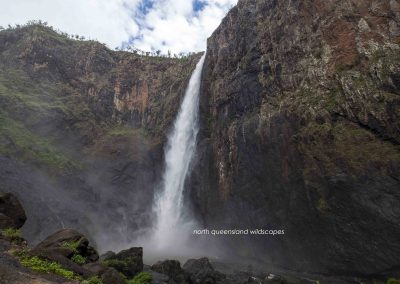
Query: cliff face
point(82, 130)
point(301, 131)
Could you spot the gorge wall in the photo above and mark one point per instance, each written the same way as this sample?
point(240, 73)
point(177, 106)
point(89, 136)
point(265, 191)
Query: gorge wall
point(301, 131)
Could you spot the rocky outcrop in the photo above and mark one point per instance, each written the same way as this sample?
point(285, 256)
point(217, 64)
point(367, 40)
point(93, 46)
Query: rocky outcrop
point(300, 130)
point(171, 268)
point(129, 262)
point(12, 214)
point(201, 271)
point(66, 242)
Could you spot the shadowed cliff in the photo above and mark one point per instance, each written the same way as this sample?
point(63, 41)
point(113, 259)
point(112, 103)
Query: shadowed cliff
point(301, 131)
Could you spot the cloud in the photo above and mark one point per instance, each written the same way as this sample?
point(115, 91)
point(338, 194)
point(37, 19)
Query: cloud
point(175, 25)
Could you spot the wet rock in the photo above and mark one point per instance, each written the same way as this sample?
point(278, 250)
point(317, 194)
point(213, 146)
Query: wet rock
point(129, 262)
point(201, 271)
point(172, 268)
point(12, 214)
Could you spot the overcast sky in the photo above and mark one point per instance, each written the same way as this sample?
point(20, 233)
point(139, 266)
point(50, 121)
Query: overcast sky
point(176, 25)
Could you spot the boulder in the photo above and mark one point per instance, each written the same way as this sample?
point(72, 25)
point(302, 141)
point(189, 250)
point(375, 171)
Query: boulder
point(67, 242)
point(63, 261)
point(172, 268)
point(129, 262)
point(12, 214)
point(112, 276)
point(106, 255)
point(96, 268)
point(201, 271)
point(159, 278)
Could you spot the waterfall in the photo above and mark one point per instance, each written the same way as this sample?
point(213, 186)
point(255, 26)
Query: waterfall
point(173, 227)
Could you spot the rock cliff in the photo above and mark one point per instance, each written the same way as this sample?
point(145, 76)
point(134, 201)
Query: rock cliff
point(301, 131)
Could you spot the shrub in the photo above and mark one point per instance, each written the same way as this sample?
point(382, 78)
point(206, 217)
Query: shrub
point(93, 280)
point(78, 259)
point(44, 266)
point(71, 245)
point(118, 264)
point(141, 278)
point(12, 233)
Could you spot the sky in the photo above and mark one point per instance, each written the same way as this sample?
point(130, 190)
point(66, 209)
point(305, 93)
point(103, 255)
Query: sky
point(150, 25)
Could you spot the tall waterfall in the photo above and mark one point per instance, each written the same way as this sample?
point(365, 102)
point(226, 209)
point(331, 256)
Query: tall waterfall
point(173, 226)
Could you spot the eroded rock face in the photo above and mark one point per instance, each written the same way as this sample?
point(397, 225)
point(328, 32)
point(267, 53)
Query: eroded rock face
point(300, 129)
point(12, 214)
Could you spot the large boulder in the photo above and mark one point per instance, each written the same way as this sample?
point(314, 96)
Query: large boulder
point(67, 242)
point(172, 268)
point(201, 271)
point(12, 214)
point(63, 246)
point(129, 262)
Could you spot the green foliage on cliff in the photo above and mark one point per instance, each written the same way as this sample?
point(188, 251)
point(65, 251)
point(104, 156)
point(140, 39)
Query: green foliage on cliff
point(18, 141)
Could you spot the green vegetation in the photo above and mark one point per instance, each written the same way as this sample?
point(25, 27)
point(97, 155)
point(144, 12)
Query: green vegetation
point(92, 280)
point(78, 259)
point(322, 205)
point(20, 142)
point(12, 233)
point(71, 245)
point(141, 278)
point(393, 281)
point(118, 264)
point(44, 266)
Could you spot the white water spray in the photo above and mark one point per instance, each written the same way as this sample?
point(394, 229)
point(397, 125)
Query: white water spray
point(173, 226)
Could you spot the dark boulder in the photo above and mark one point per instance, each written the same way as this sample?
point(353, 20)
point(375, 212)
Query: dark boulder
point(129, 262)
point(12, 214)
point(172, 268)
point(65, 262)
point(112, 276)
point(66, 242)
point(96, 268)
point(201, 271)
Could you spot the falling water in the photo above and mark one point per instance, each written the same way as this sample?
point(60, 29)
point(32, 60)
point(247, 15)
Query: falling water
point(173, 226)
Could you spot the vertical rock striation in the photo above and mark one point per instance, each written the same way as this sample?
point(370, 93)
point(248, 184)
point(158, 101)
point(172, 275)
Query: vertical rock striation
point(300, 114)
